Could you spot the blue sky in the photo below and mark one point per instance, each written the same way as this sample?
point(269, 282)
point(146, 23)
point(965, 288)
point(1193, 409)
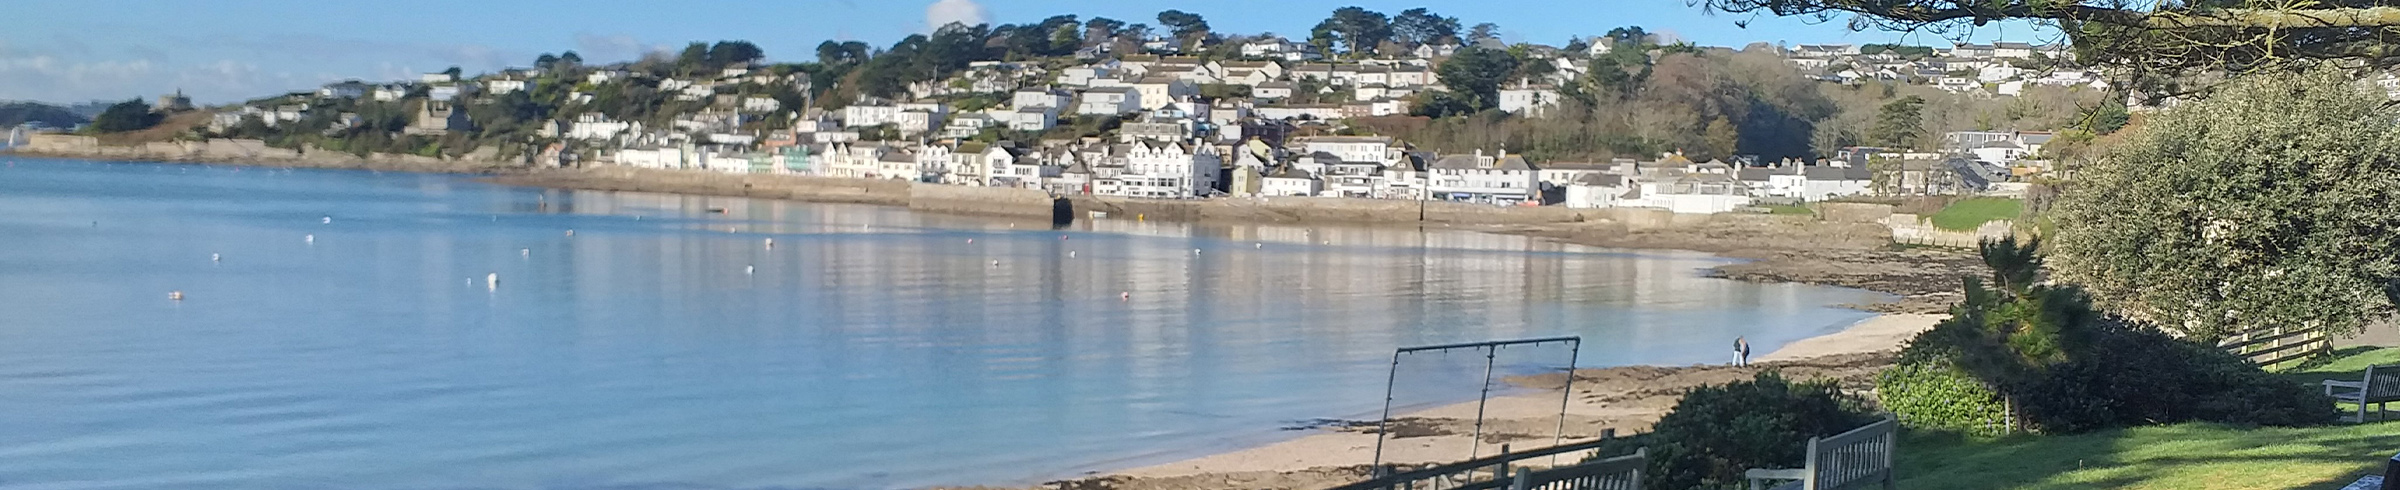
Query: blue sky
point(224, 51)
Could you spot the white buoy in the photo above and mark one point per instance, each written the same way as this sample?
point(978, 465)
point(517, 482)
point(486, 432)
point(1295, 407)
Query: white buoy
point(749, 269)
point(525, 252)
point(995, 263)
point(970, 240)
point(1195, 251)
point(770, 244)
point(570, 232)
point(1125, 296)
point(492, 280)
point(1258, 245)
point(309, 239)
point(216, 258)
point(328, 220)
point(1070, 254)
point(175, 295)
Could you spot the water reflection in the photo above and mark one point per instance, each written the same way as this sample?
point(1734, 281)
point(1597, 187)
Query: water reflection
point(664, 344)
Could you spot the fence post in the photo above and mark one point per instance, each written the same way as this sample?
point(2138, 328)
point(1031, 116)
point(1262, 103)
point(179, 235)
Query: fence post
point(1524, 479)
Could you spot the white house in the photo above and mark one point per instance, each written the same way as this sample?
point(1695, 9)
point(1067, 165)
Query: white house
point(1526, 100)
point(1036, 97)
point(388, 93)
point(2012, 50)
point(1082, 76)
point(343, 90)
point(1157, 92)
point(1110, 101)
point(1164, 170)
point(1272, 91)
point(597, 126)
point(1595, 191)
point(868, 114)
point(1691, 193)
point(499, 86)
point(1288, 181)
point(1501, 179)
point(1368, 149)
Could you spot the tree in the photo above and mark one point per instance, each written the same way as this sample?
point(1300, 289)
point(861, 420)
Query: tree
point(1721, 138)
point(1101, 31)
point(1186, 26)
point(1899, 124)
point(1628, 35)
point(130, 115)
point(454, 72)
point(1475, 74)
point(1483, 31)
point(832, 53)
point(1359, 30)
point(2271, 204)
point(545, 60)
point(729, 53)
point(570, 58)
point(2156, 41)
point(1419, 26)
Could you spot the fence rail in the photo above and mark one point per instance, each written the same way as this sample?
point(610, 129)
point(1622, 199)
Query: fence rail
point(1469, 474)
point(2277, 345)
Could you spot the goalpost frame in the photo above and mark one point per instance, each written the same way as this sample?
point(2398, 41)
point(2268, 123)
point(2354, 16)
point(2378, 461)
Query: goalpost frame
point(1491, 352)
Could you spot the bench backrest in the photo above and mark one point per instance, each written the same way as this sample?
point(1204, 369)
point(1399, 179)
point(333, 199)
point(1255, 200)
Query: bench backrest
point(2383, 383)
point(1856, 459)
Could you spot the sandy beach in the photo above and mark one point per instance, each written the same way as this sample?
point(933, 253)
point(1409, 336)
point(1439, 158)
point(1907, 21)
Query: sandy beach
point(1627, 399)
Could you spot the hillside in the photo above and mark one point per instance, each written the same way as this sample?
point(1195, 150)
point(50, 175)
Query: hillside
point(17, 113)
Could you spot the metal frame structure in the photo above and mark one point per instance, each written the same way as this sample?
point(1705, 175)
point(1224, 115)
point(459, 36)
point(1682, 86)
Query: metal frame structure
point(1491, 353)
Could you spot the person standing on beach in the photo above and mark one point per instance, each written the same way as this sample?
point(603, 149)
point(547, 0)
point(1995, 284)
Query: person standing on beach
point(1741, 351)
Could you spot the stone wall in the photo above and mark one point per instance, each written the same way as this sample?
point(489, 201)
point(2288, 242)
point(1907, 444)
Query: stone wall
point(1003, 201)
point(249, 152)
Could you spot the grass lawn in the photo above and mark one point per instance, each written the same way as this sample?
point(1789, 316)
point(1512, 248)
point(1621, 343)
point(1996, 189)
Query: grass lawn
point(2177, 457)
point(1785, 209)
point(2186, 456)
point(1967, 214)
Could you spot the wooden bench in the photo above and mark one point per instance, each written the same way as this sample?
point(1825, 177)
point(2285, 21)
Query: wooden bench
point(2370, 390)
point(1855, 459)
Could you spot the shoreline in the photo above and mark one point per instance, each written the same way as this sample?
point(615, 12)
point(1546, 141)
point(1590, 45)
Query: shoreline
point(1626, 398)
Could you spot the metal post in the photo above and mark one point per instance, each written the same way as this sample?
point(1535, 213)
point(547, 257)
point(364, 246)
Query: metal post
point(1475, 446)
point(1383, 426)
point(1566, 393)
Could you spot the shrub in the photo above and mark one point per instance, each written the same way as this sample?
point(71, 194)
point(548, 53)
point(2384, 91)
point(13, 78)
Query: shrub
point(1717, 432)
point(2065, 368)
point(1938, 395)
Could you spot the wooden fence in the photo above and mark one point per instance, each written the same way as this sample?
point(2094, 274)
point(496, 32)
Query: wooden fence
point(1470, 473)
point(2277, 345)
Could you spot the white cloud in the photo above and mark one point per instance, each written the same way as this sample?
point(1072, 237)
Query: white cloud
point(604, 48)
point(944, 12)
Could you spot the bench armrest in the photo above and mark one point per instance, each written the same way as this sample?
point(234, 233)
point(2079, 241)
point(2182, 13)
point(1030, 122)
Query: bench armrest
point(1776, 474)
point(2344, 384)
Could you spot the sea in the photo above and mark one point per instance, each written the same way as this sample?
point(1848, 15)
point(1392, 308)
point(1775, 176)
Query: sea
point(219, 327)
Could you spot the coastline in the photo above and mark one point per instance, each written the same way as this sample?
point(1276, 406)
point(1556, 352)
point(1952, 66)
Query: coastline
point(1626, 399)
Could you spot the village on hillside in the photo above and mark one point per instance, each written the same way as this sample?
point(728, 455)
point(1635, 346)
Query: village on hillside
point(1165, 117)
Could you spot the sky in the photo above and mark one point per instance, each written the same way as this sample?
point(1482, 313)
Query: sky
point(224, 51)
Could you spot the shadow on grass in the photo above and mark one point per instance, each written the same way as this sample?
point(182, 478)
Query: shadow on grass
point(2187, 456)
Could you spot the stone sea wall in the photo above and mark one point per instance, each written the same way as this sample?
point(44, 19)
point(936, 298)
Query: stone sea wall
point(984, 200)
point(249, 152)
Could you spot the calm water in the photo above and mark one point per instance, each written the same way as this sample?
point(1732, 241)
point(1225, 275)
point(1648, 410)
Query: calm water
point(869, 348)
